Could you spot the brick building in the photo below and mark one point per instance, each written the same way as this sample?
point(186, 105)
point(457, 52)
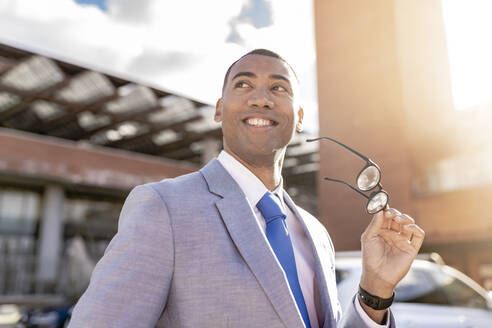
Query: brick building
point(384, 88)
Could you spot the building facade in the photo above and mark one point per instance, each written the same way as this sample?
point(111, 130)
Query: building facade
point(384, 88)
point(52, 191)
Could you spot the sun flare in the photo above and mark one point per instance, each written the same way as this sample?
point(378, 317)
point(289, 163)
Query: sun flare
point(468, 29)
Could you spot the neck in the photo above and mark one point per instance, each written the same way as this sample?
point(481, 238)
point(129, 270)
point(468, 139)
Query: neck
point(268, 170)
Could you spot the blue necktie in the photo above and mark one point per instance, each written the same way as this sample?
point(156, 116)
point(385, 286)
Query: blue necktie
point(278, 236)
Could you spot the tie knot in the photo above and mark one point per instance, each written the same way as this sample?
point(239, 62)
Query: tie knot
point(270, 207)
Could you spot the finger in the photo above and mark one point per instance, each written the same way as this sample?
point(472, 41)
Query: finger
point(396, 241)
point(389, 214)
point(417, 233)
point(404, 219)
point(400, 220)
point(405, 233)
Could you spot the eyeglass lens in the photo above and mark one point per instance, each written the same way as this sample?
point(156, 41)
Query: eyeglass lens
point(377, 202)
point(368, 178)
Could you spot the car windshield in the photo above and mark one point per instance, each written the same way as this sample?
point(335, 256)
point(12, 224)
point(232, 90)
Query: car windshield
point(433, 286)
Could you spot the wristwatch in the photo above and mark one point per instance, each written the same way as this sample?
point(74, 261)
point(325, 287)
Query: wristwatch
point(375, 302)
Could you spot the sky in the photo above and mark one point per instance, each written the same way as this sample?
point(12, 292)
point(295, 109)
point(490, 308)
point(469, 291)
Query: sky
point(183, 46)
point(468, 27)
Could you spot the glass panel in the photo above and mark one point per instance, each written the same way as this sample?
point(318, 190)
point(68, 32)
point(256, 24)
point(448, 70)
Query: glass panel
point(8, 100)
point(206, 124)
point(17, 264)
point(419, 287)
point(32, 206)
point(91, 218)
point(90, 121)
point(45, 110)
point(35, 74)
point(124, 130)
point(165, 137)
point(86, 88)
point(175, 109)
point(87, 209)
point(19, 211)
point(139, 99)
point(130, 129)
point(12, 204)
point(459, 293)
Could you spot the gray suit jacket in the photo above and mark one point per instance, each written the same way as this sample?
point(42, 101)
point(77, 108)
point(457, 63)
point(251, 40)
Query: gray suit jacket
point(189, 253)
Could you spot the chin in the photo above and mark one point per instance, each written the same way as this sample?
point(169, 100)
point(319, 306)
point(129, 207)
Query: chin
point(265, 150)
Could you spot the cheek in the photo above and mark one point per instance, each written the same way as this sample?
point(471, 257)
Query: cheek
point(230, 111)
point(291, 116)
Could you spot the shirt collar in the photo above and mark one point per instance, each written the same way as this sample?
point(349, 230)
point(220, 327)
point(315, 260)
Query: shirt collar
point(249, 183)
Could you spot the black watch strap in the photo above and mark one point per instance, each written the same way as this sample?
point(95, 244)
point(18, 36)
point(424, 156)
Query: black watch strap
point(375, 302)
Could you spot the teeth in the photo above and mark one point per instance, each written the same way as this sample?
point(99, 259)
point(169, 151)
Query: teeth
point(259, 122)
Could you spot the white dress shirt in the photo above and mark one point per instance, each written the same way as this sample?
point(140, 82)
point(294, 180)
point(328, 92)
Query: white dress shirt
point(254, 190)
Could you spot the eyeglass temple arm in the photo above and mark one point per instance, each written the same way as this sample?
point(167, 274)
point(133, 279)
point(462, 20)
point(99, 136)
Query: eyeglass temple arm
point(340, 181)
point(341, 144)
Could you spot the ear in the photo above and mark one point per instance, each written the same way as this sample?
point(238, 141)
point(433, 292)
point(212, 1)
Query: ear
point(218, 111)
point(300, 117)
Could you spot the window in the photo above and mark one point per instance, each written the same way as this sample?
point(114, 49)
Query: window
point(457, 292)
point(90, 218)
point(95, 220)
point(89, 209)
point(19, 210)
point(341, 275)
point(419, 287)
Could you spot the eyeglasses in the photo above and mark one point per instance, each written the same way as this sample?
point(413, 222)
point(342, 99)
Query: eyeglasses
point(368, 179)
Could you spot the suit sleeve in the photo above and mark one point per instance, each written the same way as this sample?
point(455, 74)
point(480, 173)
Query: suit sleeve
point(351, 318)
point(130, 284)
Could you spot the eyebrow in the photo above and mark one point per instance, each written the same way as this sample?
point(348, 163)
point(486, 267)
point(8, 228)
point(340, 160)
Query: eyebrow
point(248, 74)
point(253, 75)
point(280, 77)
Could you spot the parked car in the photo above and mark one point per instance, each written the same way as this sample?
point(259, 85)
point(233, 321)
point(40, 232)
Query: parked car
point(34, 311)
point(430, 295)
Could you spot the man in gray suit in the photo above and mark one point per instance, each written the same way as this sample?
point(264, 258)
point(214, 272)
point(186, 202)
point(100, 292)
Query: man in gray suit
point(227, 247)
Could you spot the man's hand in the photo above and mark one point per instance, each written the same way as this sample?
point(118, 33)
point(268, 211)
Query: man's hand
point(389, 245)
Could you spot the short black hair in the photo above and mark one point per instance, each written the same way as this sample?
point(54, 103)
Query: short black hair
point(261, 52)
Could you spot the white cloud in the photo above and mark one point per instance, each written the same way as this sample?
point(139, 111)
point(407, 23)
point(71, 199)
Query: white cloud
point(177, 45)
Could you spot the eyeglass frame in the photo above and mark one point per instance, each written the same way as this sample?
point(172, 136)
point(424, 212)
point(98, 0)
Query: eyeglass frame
point(369, 163)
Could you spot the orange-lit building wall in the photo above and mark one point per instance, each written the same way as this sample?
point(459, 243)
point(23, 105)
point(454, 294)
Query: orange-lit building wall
point(384, 88)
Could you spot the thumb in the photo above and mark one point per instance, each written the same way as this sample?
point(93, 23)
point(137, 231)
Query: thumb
point(375, 225)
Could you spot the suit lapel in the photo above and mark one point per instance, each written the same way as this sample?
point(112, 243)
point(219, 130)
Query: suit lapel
point(252, 244)
point(324, 267)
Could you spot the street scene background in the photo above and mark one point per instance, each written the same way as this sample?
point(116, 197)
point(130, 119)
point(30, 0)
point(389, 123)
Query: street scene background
point(98, 96)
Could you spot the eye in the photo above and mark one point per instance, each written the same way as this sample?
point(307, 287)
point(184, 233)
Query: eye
point(279, 88)
point(241, 85)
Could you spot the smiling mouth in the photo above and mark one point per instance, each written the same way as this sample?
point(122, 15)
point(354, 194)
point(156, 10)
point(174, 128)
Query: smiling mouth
point(259, 122)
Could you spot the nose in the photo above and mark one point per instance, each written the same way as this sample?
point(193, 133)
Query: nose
point(260, 99)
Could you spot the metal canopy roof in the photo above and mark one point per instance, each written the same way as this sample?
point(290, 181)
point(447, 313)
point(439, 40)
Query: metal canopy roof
point(52, 97)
